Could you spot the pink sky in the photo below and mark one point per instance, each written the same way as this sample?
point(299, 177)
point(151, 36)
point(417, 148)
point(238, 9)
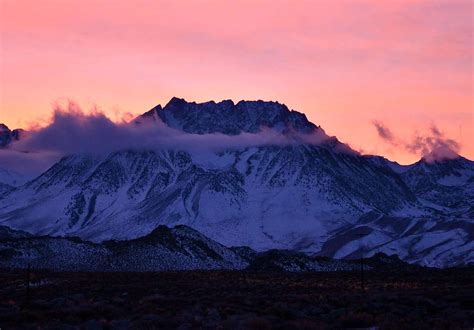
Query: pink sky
point(406, 64)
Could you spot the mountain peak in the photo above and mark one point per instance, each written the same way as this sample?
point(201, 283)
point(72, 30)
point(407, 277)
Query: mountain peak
point(228, 118)
point(7, 135)
point(439, 155)
point(175, 101)
point(450, 170)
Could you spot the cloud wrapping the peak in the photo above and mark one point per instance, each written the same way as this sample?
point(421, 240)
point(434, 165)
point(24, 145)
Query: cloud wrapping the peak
point(72, 131)
point(433, 146)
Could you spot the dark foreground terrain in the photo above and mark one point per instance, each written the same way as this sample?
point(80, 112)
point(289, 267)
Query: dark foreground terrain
point(238, 300)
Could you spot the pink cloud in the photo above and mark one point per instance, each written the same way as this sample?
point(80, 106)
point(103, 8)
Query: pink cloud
point(432, 145)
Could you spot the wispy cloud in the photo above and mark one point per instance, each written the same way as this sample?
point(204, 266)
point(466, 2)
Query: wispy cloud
point(73, 131)
point(432, 145)
point(384, 132)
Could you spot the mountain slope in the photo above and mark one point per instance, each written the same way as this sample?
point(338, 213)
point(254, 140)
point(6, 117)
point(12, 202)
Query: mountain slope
point(436, 241)
point(447, 183)
point(11, 178)
point(265, 197)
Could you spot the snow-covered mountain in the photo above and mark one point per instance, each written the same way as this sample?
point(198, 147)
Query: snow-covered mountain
point(12, 178)
point(448, 184)
point(9, 180)
point(264, 197)
point(437, 241)
point(318, 198)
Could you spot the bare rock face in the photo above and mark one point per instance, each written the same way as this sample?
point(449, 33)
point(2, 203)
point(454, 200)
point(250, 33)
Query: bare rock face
point(231, 119)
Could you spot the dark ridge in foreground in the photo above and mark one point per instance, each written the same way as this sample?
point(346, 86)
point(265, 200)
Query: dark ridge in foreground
point(165, 249)
point(178, 248)
point(424, 299)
